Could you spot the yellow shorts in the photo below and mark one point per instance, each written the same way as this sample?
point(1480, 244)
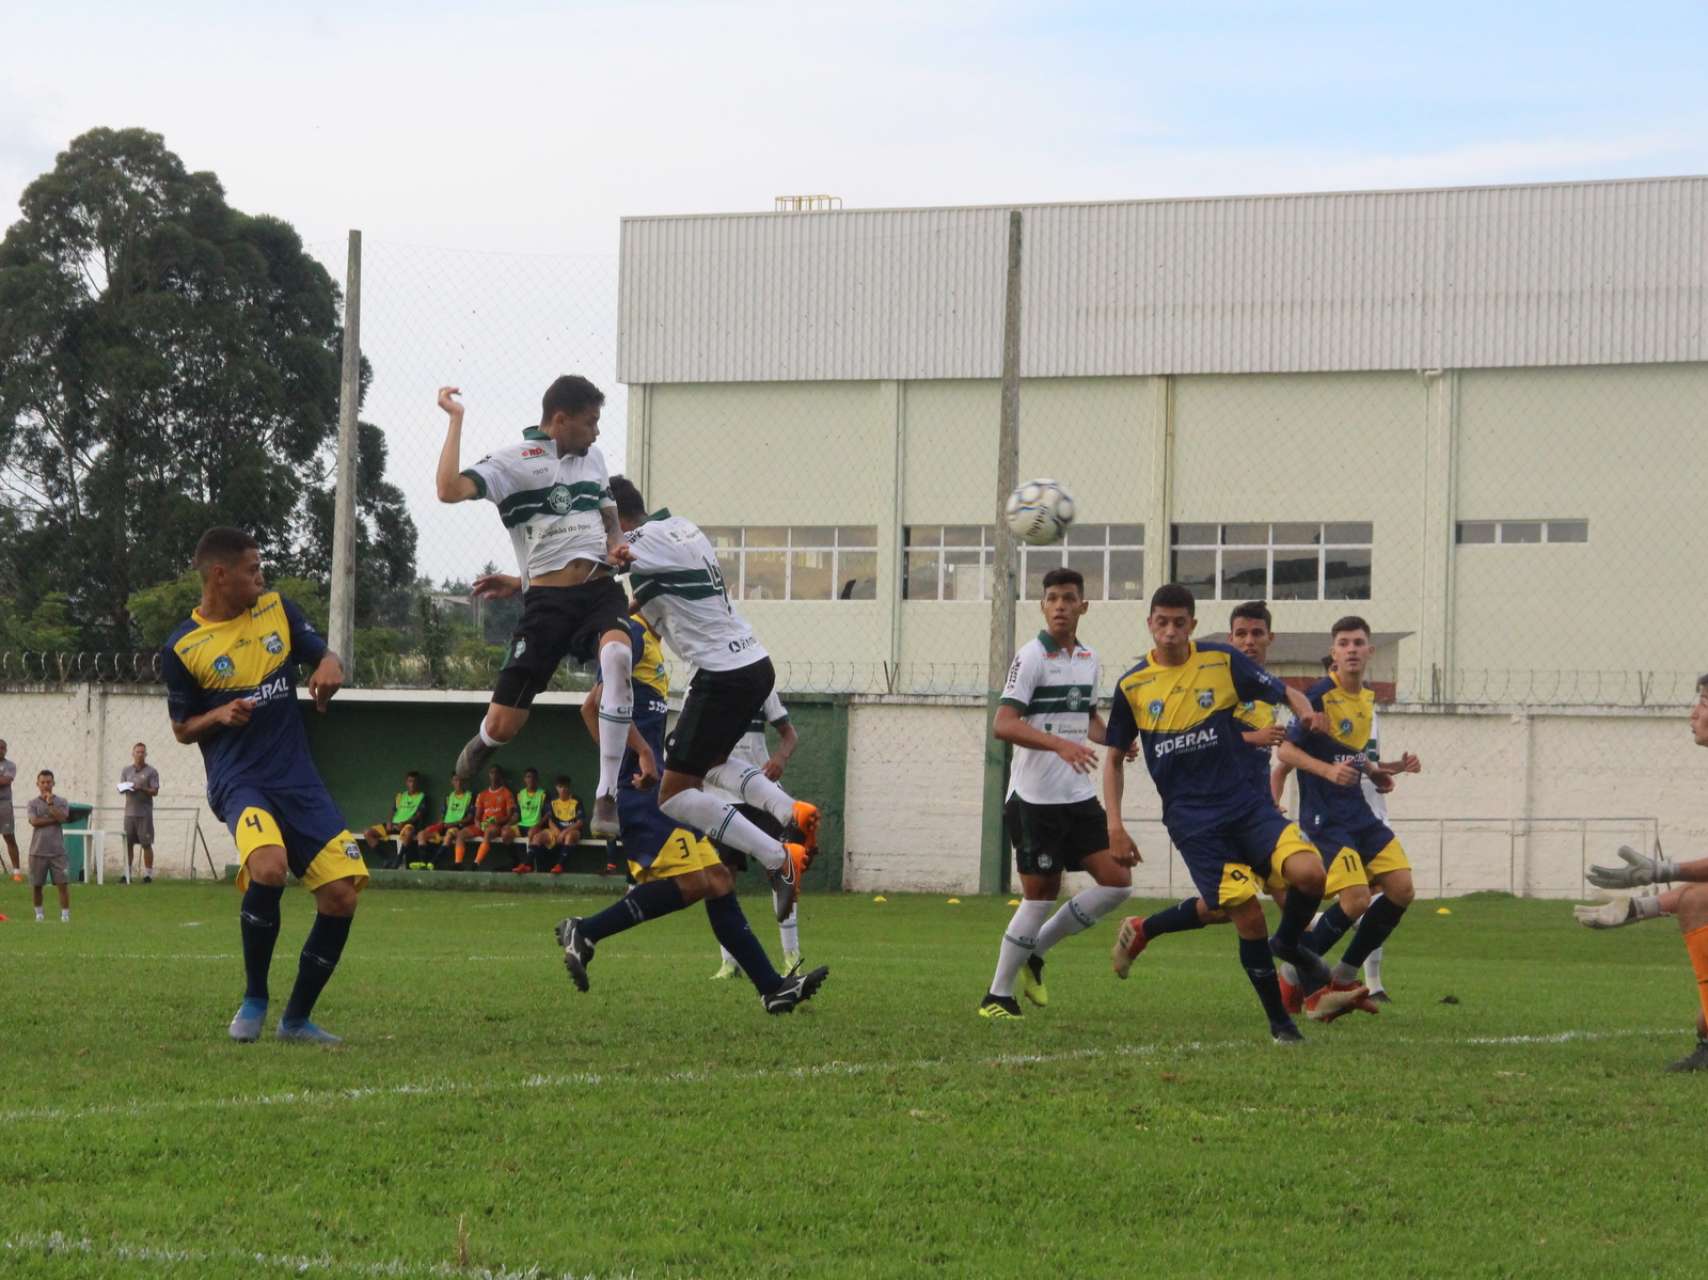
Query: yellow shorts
point(1348, 869)
point(340, 858)
point(1226, 884)
point(683, 854)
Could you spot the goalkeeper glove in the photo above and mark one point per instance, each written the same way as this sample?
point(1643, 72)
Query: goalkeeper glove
point(1639, 869)
point(1618, 912)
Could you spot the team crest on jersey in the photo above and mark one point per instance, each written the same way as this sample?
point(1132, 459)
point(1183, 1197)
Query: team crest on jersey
point(1206, 699)
point(1075, 699)
point(273, 644)
point(223, 665)
point(1155, 707)
point(1346, 726)
point(558, 498)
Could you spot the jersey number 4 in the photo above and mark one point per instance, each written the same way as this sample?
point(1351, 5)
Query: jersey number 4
point(717, 575)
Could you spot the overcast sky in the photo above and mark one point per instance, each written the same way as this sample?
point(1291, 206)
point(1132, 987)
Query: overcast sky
point(487, 152)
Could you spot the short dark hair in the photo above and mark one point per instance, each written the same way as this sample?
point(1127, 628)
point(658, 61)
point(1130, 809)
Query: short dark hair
point(630, 504)
point(45, 773)
point(1702, 684)
point(562, 780)
point(1065, 578)
point(531, 770)
point(1328, 662)
point(1171, 595)
point(1351, 622)
point(221, 545)
point(1254, 611)
point(569, 394)
point(412, 774)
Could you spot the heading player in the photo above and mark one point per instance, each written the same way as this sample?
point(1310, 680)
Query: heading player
point(231, 689)
point(1179, 702)
point(553, 494)
point(1049, 713)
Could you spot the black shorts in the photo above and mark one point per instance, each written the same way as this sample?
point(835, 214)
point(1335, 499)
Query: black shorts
point(734, 858)
point(720, 707)
point(558, 623)
point(1051, 838)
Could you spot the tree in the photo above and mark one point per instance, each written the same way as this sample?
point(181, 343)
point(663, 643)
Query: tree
point(166, 363)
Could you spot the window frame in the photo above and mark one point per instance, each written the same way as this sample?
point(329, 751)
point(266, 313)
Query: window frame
point(1321, 547)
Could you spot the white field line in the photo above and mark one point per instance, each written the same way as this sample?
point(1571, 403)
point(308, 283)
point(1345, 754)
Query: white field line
point(31, 1244)
point(623, 1079)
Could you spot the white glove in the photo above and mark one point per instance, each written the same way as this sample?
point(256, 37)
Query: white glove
point(1615, 913)
point(1639, 869)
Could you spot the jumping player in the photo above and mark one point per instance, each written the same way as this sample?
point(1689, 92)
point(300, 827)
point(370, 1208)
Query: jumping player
point(553, 494)
point(1049, 713)
point(231, 689)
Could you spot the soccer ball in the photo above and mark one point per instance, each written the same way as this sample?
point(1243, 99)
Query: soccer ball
point(1039, 512)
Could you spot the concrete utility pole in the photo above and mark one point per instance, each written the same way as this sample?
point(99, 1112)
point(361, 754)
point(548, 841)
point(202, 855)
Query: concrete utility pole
point(993, 863)
point(343, 610)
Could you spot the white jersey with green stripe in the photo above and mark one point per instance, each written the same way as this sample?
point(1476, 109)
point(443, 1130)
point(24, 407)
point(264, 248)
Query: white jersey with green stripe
point(680, 592)
point(1054, 687)
point(549, 503)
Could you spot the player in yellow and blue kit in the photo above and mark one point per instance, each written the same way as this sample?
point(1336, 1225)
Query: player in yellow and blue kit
point(1358, 848)
point(231, 689)
point(1179, 704)
point(672, 866)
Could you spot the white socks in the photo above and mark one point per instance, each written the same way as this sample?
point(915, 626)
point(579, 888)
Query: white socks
point(790, 930)
point(616, 712)
point(1080, 912)
point(1018, 941)
point(754, 788)
point(1373, 961)
point(719, 821)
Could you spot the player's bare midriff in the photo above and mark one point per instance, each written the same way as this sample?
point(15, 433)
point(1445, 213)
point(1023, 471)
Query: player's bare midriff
point(572, 574)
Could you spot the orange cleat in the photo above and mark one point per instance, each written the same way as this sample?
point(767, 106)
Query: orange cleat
point(1338, 999)
point(1130, 940)
point(806, 822)
point(1292, 999)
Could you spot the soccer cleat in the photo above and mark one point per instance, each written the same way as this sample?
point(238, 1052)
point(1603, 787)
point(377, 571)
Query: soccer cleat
point(577, 951)
point(17, 877)
point(558, 869)
point(786, 880)
point(1032, 981)
point(246, 1026)
point(1379, 996)
point(797, 989)
point(471, 761)
point(612, 869)
point(1336, 1000)
point(148, 879)
point(1313, 971)
point(523, 869)
point(1285, 1033)
point(1695, 1060)
point(791, 961)
point(1130, 940)
point(1292, 999)
point(806, 822)
point(605, 816)
point(994, 1006)
point(728, 969)
point(305, 1032)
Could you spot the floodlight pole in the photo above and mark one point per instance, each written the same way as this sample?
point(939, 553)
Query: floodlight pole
point(993, 857)
point(342, 615)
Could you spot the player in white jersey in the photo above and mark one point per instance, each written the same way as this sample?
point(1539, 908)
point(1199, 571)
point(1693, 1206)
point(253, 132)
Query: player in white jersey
point(753, 753)
point(552, 491)
point(679, 591)
point(1049, 713)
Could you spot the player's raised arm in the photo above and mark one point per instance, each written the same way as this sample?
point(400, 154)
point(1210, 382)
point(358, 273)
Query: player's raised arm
point(452, 485)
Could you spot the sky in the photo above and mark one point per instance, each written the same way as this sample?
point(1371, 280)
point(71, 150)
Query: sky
point(487, 153)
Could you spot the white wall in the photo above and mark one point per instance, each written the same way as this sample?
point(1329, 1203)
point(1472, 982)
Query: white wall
point(1497, 806)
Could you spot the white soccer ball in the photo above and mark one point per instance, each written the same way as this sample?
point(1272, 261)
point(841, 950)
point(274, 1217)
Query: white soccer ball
point(1039, 512)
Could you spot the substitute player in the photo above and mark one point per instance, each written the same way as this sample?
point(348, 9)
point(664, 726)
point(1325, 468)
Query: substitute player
point(1689, 902)
point(552, 491)
point(672, 866)
point(531, 821)
point(231, 689)
point(679, 591)
point(408, 809)
point(1178, 703)
point(1359, 850)
point(494, 815)
point(454, 823)
point(1049, 713)
point(561, 830)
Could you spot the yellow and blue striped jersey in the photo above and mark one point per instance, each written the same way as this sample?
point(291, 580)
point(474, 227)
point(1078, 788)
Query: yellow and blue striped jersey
point(1184, 719)
point(253, 655)
point(1351, 740)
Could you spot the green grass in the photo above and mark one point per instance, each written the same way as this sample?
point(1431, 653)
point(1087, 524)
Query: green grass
point(663, 1125)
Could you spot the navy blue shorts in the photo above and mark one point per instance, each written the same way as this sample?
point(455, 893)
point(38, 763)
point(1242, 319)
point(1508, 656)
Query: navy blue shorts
point(1230, 861)
point(319, 847)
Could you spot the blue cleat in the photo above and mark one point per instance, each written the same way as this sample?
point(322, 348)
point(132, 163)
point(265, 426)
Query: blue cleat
point(246, 1026)
point(307, 1033)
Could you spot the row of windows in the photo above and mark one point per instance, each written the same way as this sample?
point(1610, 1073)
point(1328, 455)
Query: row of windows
point(1279, 561)
point(1471, 532)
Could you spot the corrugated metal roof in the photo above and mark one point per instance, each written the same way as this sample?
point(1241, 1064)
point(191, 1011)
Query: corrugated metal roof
point(1480, 277)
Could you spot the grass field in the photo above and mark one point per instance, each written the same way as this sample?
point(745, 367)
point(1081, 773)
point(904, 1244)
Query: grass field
point(485, 1119)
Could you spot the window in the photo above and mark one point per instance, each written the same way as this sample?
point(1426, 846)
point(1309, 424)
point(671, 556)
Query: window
point(1111, 557)
point(1287, 560)
point(1507, 532)
point(798, 562)
point(946, 562)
